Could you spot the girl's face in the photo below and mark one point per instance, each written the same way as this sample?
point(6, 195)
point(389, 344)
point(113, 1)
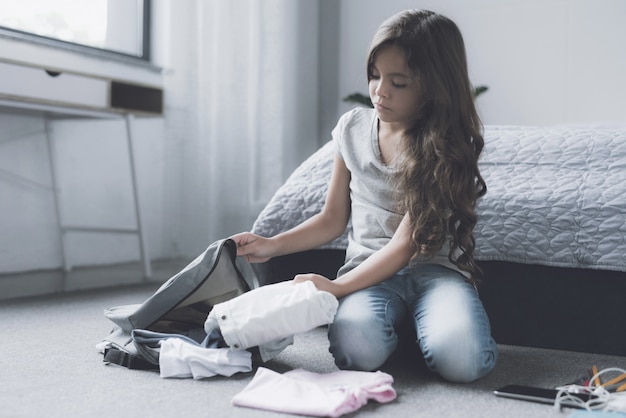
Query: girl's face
point(393, 87)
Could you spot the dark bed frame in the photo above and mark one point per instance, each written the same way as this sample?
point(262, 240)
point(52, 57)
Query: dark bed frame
point(528, 305)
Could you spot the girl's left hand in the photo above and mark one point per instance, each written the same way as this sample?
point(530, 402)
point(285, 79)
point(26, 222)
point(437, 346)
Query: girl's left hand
point(321, 283)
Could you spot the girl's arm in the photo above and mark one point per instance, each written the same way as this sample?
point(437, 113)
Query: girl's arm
point(321, 228)
point(378, 267)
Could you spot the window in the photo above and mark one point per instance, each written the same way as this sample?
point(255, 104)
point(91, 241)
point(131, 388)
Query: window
point(117, 27)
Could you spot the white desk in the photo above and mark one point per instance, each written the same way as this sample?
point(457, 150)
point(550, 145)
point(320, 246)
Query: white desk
point(33, 89)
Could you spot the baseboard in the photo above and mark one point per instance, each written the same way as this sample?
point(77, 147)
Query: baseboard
point(44, 282)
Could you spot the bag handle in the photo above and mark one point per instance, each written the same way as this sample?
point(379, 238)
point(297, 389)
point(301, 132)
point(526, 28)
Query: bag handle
point(128, 360)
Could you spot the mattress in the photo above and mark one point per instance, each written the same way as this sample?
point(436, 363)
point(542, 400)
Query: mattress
point(556, 196)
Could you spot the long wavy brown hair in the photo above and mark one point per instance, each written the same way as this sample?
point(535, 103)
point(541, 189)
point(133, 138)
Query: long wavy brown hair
point(438, 178)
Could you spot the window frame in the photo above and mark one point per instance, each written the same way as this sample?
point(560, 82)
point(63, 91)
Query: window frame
point(144, 58)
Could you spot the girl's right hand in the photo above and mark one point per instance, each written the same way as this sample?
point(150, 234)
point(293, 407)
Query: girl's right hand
point(253, 248)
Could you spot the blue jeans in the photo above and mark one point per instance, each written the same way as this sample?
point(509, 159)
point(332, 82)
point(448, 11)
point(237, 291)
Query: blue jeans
point(450, 322)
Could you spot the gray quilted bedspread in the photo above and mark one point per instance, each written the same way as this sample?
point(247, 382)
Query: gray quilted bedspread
point(556, 196)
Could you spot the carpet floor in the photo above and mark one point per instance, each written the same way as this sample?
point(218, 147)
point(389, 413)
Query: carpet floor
point(49, 367)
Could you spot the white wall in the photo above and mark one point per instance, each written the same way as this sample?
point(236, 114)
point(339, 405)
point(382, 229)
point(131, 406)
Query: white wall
point(545, 61)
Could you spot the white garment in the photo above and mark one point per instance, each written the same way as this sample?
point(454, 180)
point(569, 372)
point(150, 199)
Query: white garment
point(265, 317)
point(271, 312)
point(179, 358)
point(308, 393)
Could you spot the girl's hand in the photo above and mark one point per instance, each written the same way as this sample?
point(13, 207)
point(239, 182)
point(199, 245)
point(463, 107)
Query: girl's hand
point(321, 283)
point(253, 248)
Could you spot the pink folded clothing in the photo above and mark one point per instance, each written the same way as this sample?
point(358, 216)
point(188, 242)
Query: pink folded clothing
point(308, 393)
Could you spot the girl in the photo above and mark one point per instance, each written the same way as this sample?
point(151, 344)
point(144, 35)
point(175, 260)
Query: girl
point(407, 173)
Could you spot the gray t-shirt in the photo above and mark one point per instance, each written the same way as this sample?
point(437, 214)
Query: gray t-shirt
point(373, 196)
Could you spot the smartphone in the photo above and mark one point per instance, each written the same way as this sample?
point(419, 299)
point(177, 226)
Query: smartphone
point(541, 395)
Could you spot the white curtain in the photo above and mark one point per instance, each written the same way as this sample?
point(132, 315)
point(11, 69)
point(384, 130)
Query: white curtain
point(241, 108)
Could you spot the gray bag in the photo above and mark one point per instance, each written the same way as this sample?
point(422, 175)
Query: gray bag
point(180, 305)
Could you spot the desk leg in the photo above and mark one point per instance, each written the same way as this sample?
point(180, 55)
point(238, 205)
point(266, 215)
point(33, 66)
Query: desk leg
point(142, 242)
point(55, 192)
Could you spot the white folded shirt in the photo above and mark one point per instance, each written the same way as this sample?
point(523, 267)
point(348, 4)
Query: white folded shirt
point(272, 312)
point(181, 359)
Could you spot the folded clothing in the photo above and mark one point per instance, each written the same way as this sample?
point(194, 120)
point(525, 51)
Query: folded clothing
point(182, 358)
point(271, 312)
point(308, 393)
point(266, 317)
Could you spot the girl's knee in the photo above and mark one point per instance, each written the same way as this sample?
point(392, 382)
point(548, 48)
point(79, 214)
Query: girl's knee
point(461, 361)
point(360, 345)
point(362, 336)
point(455, 334)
